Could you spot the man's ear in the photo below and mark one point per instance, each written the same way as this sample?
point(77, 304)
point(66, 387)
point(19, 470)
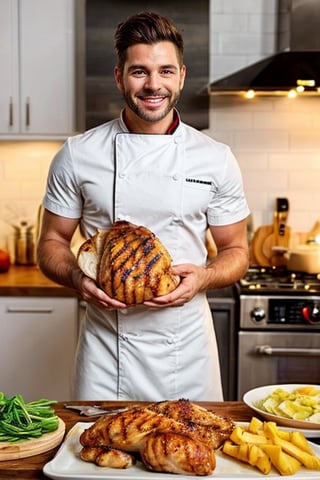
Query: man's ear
point(118, 78)
point(183, 73)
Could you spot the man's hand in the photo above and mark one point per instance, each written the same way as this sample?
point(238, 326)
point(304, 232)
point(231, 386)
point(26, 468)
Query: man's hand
point(92, 294)
point(192, 277)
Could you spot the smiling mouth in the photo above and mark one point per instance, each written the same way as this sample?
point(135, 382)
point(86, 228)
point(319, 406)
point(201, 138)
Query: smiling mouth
point(153, 100)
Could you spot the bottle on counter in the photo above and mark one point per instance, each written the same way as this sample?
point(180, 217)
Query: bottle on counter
point(24, 244)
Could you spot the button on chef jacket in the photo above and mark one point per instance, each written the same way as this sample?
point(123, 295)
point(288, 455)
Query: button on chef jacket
point(175, 185)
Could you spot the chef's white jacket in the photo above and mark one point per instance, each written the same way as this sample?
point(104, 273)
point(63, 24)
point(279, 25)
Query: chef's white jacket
point(175, 185)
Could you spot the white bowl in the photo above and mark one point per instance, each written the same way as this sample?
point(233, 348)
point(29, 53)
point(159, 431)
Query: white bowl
point(253, 396)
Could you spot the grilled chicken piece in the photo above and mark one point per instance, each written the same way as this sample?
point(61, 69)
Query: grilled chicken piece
point(129, 263)
point(107, 457)
point(127, 430)
point(174, 453)
point(171, 436)
point(207, 427)
point(186, 411)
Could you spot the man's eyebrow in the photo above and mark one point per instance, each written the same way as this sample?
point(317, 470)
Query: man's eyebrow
point(143, 67)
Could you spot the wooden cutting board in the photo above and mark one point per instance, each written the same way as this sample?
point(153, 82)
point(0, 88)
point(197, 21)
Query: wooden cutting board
point(258, 240)
point(28, 448)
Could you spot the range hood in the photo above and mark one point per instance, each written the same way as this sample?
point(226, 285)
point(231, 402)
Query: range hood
point(296, 66)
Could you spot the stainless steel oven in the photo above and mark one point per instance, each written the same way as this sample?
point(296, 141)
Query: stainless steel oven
point(279, 334)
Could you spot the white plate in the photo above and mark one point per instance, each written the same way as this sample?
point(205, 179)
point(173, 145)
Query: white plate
point(251, 397)
point(67, 465)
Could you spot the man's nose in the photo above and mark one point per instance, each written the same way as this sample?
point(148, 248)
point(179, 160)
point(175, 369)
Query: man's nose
point(152, 81)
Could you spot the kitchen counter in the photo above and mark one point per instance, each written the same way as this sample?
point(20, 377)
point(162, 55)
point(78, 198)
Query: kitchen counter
point(31, 468)
point(28, 280)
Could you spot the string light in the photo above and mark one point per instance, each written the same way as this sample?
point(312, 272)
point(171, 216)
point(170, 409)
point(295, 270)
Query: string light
point(292, 94)
point(250, 94)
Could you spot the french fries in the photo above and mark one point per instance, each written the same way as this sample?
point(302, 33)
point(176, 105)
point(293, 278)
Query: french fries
point(263, 445)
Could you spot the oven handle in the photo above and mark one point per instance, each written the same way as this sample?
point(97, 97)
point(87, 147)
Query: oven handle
point(269, 350)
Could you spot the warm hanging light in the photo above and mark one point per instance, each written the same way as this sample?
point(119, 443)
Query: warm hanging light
point(292, 93)
point(250, 94)
point(306, 83)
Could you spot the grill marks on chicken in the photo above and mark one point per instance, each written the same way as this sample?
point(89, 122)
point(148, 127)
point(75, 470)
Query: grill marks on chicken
point(185, 411)
point(177, 436)
point(129, 263)
point(174, 453)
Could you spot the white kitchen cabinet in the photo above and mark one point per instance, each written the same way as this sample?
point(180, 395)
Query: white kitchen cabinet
point(37, 68)
point(37, 346)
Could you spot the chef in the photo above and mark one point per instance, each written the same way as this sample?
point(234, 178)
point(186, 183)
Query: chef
point(151, 169)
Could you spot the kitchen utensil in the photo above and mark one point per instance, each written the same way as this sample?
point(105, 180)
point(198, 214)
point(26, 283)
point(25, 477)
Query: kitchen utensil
point(93, 410)
point(34, 446)
point(280, 237)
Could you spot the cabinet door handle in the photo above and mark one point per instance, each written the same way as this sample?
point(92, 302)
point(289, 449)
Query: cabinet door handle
point(29, 310)
point(28, 112)
point(298, 352)
point(11, 112)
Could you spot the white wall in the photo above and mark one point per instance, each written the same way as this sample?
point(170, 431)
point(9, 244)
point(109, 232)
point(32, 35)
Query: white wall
point(276, 139)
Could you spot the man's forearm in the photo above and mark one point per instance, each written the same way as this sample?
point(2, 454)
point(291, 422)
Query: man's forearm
point(59, 264)
point(227, 268)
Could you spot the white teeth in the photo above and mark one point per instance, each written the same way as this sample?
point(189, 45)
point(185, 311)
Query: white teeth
point(153, 99)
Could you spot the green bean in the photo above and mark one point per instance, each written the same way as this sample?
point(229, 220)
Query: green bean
point(21, 421)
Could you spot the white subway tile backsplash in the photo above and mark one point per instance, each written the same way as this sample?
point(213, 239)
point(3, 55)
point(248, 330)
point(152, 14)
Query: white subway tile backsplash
point(305, 179)
point(306, 140)
point(269, 140)
point(238, 120)
point(223, 66)
point(262, 24)
point(277, 182)
point(281, 121)
point(222, 23)
point(253, 160)
point(294, 161)
point(240, 6)
point(24, 167)
point(232, 44)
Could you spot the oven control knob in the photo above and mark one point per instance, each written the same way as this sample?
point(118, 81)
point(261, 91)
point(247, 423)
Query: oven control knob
point(311, 313)
point(258, 314)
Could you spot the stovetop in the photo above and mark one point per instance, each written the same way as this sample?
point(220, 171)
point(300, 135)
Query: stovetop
point(279, 280)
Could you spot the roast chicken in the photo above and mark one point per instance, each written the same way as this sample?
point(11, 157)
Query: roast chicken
point(128, 262)
point(170, 436)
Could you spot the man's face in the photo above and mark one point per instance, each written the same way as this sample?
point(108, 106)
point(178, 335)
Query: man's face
point(151, 81)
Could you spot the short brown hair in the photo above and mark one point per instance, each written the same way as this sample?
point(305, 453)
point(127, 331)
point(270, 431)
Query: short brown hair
point(149, 28)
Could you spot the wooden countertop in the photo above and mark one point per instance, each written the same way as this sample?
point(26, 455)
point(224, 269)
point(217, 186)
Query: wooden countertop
point(29, 280)
point(31, 468)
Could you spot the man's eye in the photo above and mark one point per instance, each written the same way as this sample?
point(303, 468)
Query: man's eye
point(167, 72)
point(138, 73)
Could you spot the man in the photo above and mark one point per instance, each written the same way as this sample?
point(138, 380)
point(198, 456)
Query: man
point(151, 169)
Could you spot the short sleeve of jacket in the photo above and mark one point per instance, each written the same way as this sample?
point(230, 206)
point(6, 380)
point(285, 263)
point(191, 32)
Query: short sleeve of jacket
point(62, 195)
point(228, 203)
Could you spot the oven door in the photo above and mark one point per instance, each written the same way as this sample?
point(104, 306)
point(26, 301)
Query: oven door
point(271, 358)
